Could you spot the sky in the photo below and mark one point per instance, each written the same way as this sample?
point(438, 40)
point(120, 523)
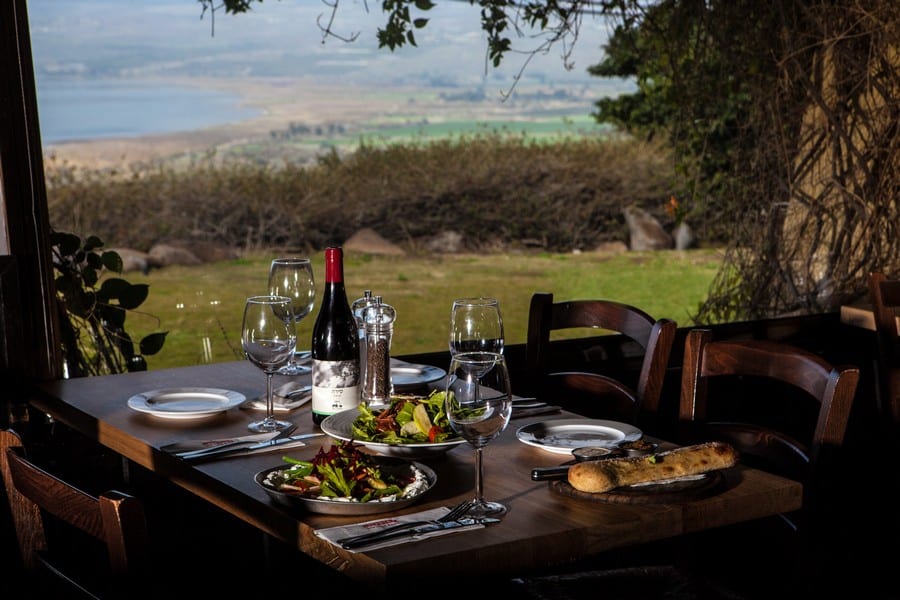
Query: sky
point(168, 38)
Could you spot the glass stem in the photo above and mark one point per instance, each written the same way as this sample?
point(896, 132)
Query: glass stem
point(479, 477)
point(270, 401)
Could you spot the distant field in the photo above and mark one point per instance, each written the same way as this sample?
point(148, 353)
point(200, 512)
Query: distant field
point(201, 307)
point(396, 114)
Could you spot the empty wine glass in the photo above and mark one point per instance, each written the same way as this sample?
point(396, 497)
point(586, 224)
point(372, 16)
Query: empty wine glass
point(268, 337)
point(293, 277)
point(478, 403)
point(476, 326)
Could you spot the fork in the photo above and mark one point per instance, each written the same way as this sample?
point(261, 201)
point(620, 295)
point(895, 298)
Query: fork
point(456, 512)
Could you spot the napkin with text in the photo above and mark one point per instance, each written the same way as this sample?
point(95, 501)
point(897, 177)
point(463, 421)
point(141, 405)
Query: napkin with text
point(332, 534)
point(201, 444)
point(285, 398)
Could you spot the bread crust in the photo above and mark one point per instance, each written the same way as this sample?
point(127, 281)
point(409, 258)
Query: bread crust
point(598, 476)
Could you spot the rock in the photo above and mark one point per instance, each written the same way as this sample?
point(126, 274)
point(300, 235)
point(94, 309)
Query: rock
point(613, 247)
point(445, 242)
point(645, 232)
point(684, 236)
point(367, 241)
point(134, 260)
point(207, 251)
point(166, 255)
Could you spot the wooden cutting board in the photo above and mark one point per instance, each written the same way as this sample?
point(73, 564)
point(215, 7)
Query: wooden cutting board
point(662, 493)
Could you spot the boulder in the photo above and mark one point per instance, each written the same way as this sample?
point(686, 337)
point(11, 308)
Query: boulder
point(166, 255)
point(445, 242)
point(134, 260)
point(684, 236)
point(645, 232)
point(367, 241)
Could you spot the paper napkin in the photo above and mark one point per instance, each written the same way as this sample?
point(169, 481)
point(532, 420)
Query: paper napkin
point(290, 396)
point(338, 533)
point(191, 445)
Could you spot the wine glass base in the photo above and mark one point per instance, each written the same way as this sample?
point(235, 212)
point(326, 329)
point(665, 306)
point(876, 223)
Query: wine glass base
point(482, 508)
point(268, 425)
point(293, 370)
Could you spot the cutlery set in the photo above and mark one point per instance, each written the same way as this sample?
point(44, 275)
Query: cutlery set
point(411, 530)
point(530, 407)
point(278, 441)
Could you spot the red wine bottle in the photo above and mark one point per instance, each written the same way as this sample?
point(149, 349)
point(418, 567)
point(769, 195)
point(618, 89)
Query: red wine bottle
point(335, 345)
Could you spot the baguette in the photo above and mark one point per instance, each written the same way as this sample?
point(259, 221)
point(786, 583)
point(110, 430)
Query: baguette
point(597, 476)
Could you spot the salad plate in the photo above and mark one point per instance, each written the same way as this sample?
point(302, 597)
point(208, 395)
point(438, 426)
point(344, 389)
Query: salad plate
point(340, 427)
point(407, 375)
point(564, 435)
point(390, 467)
point(185, 402)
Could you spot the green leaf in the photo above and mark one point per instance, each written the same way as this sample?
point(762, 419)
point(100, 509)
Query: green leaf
point(92, 243)
point(134, 295)
point(424, 4)
point(113, 316)
point(93, 260)
point(420, 23)
point(152, 343)
point(68, 243)
point(112, 261)
point(114, 288)
point(89, 274)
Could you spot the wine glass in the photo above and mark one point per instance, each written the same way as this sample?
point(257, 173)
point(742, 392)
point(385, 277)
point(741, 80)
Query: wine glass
point(293, 277)
point(268, 337)
point(476, 326)
point(478, 403)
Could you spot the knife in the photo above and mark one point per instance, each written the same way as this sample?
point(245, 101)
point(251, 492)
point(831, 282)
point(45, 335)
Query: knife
point(394, 532)
point(276, 444)
point(209, 445)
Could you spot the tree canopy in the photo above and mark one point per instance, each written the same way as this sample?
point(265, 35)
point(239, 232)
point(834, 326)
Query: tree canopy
point(783, 115)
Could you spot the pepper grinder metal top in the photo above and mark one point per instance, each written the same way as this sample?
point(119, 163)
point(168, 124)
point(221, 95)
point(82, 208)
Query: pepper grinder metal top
point(379, 321)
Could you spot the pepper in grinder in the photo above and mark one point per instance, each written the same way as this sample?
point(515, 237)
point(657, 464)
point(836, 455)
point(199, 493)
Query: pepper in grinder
point(358, 306)
point(379, 324)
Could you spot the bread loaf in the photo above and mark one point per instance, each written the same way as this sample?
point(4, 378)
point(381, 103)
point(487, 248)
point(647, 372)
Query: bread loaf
point(596, 476)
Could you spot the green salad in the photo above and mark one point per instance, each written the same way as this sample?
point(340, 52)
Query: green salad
point(408, 420)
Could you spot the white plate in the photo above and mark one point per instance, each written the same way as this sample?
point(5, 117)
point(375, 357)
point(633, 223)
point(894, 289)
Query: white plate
point(410, 375)
point(185, 402)
point(340, 427)
point(564, 435)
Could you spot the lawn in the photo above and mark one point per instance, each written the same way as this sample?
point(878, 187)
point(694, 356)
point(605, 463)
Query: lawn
point(201, 307)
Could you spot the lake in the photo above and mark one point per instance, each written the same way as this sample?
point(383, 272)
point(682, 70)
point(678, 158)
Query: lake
point(90, 109)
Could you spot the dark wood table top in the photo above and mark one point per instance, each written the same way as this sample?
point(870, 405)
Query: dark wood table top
point(542, 526)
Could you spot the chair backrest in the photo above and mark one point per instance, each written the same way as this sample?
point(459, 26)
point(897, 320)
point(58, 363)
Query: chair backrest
point(600, 394)
point(884, 294)
point(114, 519)
point(789, 427)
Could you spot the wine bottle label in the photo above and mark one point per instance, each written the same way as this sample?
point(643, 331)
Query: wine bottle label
point(335, 386)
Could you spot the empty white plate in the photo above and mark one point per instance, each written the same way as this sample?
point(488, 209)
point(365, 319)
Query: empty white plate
point(185, 402)
point(564, 435)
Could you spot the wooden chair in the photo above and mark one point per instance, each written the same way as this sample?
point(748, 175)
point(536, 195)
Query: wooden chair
point(51, 517)
point(595, 393)
point(786, 411)
point(885, 297)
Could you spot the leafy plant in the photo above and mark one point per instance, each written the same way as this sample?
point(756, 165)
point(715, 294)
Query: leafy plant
point(92, 309)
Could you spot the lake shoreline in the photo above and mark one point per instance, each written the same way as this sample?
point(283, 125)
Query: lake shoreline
point(312, 102)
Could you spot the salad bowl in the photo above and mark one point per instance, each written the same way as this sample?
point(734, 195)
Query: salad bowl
point(389, 467)
point(340, 427)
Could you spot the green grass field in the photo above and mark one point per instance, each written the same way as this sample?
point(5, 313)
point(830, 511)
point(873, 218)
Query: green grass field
point(201, 307)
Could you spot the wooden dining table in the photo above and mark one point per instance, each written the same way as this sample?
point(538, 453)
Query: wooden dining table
point(542, 526)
